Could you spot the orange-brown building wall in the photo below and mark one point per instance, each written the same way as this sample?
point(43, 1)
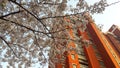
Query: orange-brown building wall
point(92, 59)
point(115, 43)
point(106, 55)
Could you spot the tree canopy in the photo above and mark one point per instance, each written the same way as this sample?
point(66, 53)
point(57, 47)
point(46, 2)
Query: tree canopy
point(34, 31)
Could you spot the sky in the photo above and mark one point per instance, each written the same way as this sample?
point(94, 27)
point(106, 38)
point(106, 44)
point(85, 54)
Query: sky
point(110, 16)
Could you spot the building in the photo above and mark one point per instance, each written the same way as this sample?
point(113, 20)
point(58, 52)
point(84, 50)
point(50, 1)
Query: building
point(115, 30)
point(113, 37)
point(97, 49)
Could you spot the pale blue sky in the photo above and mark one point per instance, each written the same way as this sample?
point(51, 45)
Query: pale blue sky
point(110, 16)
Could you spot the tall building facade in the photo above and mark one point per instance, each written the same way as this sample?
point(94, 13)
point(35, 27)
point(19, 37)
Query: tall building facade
point(97, 49)
point(113, 37)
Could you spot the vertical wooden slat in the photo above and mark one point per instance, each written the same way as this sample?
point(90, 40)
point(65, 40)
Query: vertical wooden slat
point(91, 57)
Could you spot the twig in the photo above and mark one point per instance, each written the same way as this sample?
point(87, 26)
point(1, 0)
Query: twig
point(37, 44)
point(9, 46)
point(12, 13)
point(22, 47)
point(52, 3)
point(113, 3)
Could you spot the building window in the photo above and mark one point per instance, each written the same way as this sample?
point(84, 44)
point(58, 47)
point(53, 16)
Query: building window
point(73, 56)
point(74, 66)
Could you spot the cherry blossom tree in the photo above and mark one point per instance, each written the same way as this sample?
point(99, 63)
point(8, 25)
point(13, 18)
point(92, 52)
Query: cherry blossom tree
point(34, 31)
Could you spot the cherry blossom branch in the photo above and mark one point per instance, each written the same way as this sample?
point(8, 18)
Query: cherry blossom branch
point(23, 26)
point(29, 13)
point(60, 16)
